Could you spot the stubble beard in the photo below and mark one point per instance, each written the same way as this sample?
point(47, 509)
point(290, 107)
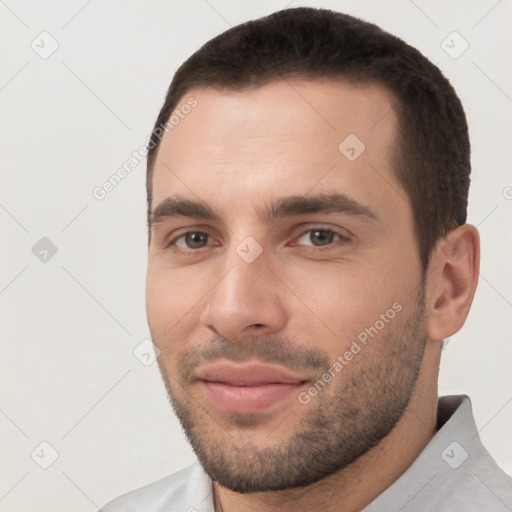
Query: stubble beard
point(357, 409)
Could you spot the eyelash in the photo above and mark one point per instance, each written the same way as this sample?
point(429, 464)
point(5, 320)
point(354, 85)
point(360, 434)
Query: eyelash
point(343, 239)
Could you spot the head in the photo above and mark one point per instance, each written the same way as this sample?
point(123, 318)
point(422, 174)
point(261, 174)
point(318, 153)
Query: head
point(304, 176)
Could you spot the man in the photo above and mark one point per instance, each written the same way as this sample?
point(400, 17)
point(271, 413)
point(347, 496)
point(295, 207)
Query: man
point(308, 253)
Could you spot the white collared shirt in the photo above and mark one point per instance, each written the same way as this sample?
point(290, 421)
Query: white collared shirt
point(453, 473)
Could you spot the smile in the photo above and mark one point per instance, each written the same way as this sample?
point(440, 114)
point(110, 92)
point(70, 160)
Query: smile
point(248, 388)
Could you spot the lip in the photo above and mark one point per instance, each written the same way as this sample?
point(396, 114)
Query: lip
point(246, 388)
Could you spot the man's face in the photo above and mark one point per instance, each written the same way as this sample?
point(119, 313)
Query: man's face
point(291, 335)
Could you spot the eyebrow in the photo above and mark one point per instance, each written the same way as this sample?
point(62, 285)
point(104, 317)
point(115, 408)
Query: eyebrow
point(177, 206)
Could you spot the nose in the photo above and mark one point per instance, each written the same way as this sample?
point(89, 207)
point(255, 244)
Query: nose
point(247, 300)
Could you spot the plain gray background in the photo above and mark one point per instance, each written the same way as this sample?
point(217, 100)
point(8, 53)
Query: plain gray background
point(71, 322)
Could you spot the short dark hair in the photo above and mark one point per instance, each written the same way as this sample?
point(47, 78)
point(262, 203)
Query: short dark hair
point(432, 151)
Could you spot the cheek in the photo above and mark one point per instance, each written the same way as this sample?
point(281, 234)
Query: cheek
point(169, 316)
point(167, 298)
point(334, 306)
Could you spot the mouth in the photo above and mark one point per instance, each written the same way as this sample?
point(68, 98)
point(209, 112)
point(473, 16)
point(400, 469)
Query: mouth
point(248, 388)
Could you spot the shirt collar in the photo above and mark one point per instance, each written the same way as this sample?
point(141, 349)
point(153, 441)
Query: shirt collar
point(456, 437)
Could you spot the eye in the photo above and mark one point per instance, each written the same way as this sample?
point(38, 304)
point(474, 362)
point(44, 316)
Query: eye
point(319, 238)
point(191, 240)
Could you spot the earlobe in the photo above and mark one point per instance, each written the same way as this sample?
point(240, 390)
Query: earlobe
point(452, 281)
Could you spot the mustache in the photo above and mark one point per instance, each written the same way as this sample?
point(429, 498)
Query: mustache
point(265, 349)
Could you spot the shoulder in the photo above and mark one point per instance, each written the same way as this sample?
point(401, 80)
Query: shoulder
point(186, 490)
point(473, 481)
point(469, 476)
point(454, 472)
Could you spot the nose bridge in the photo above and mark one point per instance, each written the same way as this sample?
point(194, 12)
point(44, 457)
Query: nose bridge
point(245, 294)
point(243, 271)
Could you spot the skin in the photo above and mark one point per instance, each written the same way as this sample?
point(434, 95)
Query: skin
point(237, 151)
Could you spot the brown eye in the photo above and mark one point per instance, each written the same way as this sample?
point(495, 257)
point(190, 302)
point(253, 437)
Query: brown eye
point(320, 237)
point(192, 240)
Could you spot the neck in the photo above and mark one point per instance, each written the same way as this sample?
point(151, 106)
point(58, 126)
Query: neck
point(358, 484)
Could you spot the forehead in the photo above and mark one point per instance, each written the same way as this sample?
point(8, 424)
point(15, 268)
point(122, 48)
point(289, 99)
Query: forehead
point(283, 135)
point(299, 107)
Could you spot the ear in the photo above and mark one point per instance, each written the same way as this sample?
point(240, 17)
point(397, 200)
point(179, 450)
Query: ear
point(452, 280)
